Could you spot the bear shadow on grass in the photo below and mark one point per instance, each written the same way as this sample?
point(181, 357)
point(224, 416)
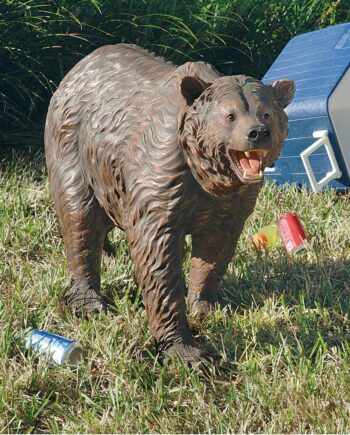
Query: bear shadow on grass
point(286, 276)
point(316, 296)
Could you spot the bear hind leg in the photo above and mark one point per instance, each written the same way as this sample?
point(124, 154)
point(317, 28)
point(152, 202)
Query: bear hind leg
point(85, 226)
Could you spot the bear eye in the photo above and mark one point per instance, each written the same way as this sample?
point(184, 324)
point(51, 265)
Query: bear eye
point(266, 116)
point(230, 117)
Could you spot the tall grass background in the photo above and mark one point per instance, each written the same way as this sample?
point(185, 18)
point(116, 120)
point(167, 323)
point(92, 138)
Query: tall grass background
point(40, 40)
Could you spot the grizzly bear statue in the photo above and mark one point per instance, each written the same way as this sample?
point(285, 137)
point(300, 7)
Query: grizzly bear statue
point(160, 151)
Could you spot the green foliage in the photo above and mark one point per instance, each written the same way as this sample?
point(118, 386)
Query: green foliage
point(40, 40)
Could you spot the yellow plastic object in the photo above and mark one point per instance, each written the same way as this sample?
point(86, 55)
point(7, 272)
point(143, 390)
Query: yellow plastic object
point(266, 237)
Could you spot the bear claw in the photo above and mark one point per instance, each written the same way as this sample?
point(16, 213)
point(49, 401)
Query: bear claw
point(85, 302)
point(191, 355)
point(201, 307)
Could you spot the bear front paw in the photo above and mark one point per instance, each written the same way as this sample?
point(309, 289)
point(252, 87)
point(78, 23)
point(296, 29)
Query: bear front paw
point(85, 302)
point(201, 307)
point(191, 354)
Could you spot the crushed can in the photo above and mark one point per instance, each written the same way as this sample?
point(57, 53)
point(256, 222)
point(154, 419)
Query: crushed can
point(59, 349)
point(266, 237)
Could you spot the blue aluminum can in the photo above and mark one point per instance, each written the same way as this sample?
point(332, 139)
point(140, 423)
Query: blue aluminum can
point(60, 349)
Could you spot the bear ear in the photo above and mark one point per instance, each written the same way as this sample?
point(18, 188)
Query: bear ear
point(191, 88)
point(284, 92)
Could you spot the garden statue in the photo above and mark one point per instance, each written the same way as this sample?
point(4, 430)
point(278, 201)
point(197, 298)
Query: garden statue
point(160, 151)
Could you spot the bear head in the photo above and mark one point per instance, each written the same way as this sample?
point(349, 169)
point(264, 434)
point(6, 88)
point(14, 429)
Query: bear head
point(232, 129)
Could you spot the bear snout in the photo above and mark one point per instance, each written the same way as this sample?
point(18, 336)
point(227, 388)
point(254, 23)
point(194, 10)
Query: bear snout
point(258, 134)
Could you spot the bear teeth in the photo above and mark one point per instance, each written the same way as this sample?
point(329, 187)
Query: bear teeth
point(253, 177)
point(261, 152)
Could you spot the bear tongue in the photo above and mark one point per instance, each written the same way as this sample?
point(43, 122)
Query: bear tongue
point(251, 165)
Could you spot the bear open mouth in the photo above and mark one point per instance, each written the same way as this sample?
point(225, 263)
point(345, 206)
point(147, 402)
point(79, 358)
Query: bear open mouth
point(248, 165)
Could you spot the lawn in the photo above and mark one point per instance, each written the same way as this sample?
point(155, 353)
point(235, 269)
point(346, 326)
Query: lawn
point(282, 330)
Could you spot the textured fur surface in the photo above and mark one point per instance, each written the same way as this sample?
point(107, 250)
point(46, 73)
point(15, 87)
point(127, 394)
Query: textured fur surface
point(135, 142)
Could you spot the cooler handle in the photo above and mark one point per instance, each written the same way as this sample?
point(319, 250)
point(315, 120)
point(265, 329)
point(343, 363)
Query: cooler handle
point(331, 175)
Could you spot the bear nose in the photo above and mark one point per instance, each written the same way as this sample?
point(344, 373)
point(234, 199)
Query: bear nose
point(258, 134)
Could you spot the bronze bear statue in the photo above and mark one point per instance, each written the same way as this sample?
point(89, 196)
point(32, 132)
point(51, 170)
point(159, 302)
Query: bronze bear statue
point(160, 151)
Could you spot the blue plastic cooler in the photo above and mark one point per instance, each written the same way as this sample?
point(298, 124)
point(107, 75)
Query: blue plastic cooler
point(317, 149)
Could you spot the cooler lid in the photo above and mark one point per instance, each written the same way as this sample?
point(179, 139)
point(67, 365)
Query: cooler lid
point(316, 61)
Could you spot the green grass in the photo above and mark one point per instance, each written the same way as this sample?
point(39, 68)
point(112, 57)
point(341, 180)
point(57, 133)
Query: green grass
point(282, 330)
